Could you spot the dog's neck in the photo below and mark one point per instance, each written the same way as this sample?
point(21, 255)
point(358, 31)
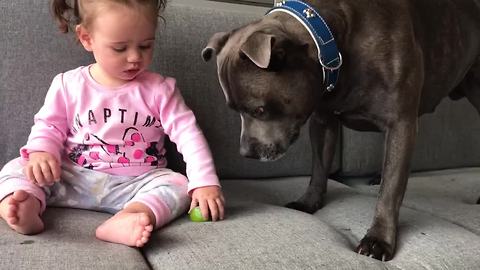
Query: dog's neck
point(312, 30)
point(296, 30)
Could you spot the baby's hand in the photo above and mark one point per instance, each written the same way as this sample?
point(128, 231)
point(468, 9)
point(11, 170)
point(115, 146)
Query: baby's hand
point(211, 202)
point(42, 169)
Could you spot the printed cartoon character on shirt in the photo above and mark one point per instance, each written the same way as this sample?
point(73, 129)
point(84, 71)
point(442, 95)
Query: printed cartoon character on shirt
point(95, 152)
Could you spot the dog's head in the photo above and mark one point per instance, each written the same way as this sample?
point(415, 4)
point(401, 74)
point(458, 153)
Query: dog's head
point(269, 78)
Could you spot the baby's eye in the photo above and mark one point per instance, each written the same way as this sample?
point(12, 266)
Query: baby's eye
point(119, 49)
point(145, 47)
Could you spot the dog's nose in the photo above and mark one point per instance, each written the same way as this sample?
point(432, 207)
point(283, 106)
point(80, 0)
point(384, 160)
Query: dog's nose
point(247, 147)
point(248, 152)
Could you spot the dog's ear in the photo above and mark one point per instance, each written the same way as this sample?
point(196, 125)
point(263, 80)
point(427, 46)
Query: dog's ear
point(258, 47)
point(266, 50)
point(215, 45)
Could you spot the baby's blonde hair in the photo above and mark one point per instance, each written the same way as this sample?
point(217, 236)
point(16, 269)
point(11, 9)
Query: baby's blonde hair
point(71, 13)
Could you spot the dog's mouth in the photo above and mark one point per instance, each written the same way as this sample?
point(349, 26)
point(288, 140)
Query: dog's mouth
point(263, 152)
point(271, 159)
point(254, 149)
point(270, 152)
point(294, 137)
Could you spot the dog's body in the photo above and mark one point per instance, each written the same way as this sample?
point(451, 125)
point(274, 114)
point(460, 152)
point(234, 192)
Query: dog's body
point(400, 59)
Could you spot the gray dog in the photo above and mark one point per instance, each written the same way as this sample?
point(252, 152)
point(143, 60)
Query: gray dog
point(400, 59)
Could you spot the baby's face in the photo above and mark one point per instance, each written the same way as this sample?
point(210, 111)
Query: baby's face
point(122, 41)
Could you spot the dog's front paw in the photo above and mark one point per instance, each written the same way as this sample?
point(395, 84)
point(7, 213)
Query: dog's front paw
point(375, 248)
point(305, 207)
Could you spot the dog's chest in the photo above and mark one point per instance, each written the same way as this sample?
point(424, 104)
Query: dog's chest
point(359, 121)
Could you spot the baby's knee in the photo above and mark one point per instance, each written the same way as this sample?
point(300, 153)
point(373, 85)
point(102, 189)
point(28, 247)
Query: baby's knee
point(173, 180)
point(13, 168)
point(180, 179)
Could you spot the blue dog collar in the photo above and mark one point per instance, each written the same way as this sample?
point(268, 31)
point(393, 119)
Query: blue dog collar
point(328, 54)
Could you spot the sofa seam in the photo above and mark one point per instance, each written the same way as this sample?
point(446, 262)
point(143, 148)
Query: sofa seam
point(144, 256)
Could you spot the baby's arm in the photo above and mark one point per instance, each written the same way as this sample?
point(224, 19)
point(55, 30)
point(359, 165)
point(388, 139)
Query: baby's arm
point(180, 124)
point(47, 137)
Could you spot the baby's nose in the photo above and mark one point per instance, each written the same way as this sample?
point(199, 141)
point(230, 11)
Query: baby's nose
point(134, 56)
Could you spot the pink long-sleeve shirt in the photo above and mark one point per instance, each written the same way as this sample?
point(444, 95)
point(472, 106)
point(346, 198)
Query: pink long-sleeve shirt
point(120, 130)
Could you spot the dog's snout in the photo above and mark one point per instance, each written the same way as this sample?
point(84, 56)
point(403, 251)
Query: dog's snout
point(248, 153)
point(248, 146)
point(252, 148)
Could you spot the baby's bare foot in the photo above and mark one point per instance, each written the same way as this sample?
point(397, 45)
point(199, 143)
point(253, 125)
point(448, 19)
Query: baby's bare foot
point(21, 212)
point(131, 229)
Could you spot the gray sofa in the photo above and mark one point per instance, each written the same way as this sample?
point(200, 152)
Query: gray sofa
point(439, 221)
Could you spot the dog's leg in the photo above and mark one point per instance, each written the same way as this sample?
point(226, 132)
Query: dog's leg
point(323, 137)
point(380, 240)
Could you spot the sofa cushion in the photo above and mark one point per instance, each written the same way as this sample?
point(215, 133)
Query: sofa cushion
point(425, 241)
point(67, 243)
point(32, 51)
point(254, 236)
point(435, 234)
point(448, 194)
point(448, 138)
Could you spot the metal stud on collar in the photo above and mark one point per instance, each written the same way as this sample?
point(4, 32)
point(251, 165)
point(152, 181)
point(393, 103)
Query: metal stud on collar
point(309, 13)
point(330, 87)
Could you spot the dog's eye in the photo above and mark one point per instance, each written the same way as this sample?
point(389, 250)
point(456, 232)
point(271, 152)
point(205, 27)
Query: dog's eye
point(259, 111)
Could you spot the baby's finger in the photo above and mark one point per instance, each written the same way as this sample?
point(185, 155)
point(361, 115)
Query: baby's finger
point(222, 199)
point(56, 171)
point(193, 204)
point(29, 173)
point(47, 173)
point(212, 205)
point(221, 207)
point(204, 208)
point(38, 175)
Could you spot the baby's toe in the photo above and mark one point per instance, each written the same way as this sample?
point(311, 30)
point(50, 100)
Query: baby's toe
point(20, 195)
point(144, 239)
point(12, 220)
point(143, 220)
point(145, 234)
point(12, 211)
point(141, 242)
point(12, 202)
